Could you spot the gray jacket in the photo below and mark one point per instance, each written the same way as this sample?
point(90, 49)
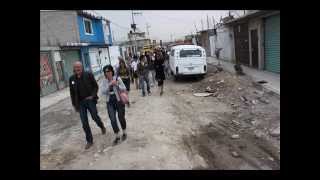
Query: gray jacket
point(106, 85)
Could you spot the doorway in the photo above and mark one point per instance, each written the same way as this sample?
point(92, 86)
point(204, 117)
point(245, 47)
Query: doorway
point(254, 48)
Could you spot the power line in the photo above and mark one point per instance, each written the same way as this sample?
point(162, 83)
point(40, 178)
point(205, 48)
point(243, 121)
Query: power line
point(112, 21)
point(120, 26)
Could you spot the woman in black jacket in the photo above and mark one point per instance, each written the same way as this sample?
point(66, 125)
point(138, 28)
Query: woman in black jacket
point(124, 72)
point(159, 67)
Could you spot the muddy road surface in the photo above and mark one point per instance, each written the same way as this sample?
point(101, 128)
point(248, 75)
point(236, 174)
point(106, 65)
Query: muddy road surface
point(236, 127)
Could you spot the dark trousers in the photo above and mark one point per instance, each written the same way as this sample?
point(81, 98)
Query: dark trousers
point(126, 82)
point(114, 106)
point(88, 104)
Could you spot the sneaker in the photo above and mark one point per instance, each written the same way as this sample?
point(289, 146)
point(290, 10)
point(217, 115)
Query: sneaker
point(88, 145)
point(149, 93)
point(103, 130)
point(124, 136)
point(116, 141)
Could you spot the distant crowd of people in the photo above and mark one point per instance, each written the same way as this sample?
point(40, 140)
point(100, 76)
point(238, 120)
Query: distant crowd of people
point(144, 71)
point(147, 69)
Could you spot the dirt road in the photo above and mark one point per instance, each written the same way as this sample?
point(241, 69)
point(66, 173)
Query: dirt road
point(175, 131)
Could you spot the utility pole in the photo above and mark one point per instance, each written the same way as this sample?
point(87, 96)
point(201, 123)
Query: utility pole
point(214, 23)
point(133, 26)
point(207, 22)
point(202, 24)
point(196, 34)
point(148, 26)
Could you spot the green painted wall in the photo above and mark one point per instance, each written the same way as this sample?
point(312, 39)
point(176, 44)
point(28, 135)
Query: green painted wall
point(69, 57)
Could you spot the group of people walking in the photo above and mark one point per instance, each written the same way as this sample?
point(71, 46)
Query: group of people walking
point(149, 67)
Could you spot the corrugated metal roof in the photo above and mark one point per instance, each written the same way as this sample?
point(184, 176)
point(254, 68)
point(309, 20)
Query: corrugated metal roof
point(249, 15)
point(91, 15)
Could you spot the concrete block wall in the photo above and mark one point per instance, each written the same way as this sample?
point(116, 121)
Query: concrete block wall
point(58, 27)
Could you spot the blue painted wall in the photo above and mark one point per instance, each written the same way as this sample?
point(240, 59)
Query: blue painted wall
point(110, 35)
point(97, 36)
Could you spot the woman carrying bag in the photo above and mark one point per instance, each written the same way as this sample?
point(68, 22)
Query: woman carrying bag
point(114, 89)
point(124, 72)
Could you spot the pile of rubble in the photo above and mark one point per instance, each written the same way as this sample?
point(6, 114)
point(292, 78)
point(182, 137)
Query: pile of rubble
point(250, 105)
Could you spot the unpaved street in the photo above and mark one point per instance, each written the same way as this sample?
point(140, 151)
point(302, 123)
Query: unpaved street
point(175, 131)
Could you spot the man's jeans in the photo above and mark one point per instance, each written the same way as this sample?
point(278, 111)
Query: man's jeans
point(146, 79)
point(152, 76)
point(89, 104)
point(114, 106)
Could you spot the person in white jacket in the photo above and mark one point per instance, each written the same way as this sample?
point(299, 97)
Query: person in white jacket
point(111, 86)
point(134, 67)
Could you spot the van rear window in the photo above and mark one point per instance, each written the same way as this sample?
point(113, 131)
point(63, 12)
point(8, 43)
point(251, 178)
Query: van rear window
point(191, 53)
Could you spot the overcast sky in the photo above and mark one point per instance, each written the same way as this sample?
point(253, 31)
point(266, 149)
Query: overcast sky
point(163, 24)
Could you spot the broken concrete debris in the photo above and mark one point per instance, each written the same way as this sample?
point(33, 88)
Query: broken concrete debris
point(263, 100)
point(254, 102)
point(275, 132)
point(202, 94)
point(259, 92)
point(235, 136)
point(209, 90)
point(220, 96)
point(235, 122)
point(270, 158)
point(235, 154)
point(222, 81)
point(244, 99)
point(258, 134)
point(106, 149)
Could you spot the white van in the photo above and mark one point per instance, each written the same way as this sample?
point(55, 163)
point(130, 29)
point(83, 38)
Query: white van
point(188, 60)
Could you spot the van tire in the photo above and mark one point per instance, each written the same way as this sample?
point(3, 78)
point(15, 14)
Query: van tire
point(175, 77)
point(201, 76)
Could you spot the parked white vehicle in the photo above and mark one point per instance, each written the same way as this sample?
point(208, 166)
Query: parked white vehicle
point(188, 60)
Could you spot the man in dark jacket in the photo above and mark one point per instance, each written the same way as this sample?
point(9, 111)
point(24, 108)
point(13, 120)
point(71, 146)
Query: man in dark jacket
point(83, 91)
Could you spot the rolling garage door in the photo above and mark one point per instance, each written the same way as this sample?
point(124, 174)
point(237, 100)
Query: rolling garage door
point(272, 43)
